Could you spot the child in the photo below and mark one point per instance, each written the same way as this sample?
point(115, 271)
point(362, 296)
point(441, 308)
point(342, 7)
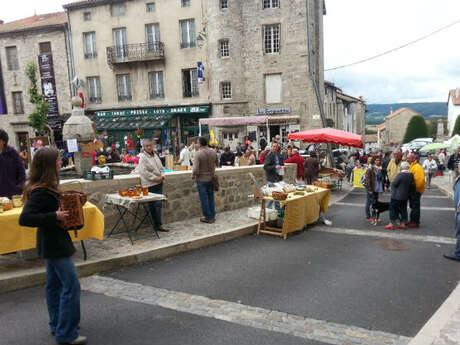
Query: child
point(54, 245)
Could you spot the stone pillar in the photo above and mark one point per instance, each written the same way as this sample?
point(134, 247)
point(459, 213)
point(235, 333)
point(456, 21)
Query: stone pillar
point(79, 127)
point(440, 133)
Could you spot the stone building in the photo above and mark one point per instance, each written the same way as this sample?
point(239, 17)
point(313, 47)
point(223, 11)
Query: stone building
point(453, 108)
point(140, 62)
point(42, 40)
point(391, 132)
point(343, 111)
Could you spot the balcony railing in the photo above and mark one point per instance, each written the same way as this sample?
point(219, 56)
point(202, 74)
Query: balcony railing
point(135, 52)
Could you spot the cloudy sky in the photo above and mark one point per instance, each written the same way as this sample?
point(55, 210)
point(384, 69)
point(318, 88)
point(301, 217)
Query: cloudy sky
point(357, 29)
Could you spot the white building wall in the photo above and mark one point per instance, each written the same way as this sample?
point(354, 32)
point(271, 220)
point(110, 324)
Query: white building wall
point(452, 112)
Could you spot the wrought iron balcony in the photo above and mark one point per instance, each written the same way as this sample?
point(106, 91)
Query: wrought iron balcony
point(135, 52)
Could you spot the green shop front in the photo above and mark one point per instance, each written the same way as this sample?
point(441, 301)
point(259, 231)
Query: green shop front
point(170, 125)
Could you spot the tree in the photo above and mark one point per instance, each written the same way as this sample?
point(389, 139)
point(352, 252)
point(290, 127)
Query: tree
point(416, 128)
point(456, 126)
point(38, 117)
point(433, 129)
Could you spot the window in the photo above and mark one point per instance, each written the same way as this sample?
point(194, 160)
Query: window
point(226, 90)
point(87, 16)
point(124, 87)
point(271, 3)
point(12, 58)
point(18, 103)
point(150, 7)
point(94, 90)
point(156, 85)
point(223, 4)
point(120, 41)
point(272, 88)
point(187, 33)
point(224, 49)
point(152, 37)
point(117, 10)
point(272, 38)
point(185, 3)
point(89, 45)
point(190, 82)
point(45, 47)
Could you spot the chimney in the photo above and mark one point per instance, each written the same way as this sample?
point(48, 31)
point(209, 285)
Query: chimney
point(457, 92)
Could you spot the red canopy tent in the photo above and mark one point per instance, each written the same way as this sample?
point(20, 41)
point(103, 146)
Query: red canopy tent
point(328, 136)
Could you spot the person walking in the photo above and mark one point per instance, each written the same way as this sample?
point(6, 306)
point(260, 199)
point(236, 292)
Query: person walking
point(394, 166)
point(455, 255)
point(151, 172)
point(430, 167)
point(204, 167)
point(297, 159)
point(350, 166)
point(274, 170)
point(42, 210)
point(311, 168)
point(374, 184)
point(12, 171)
point(401, 189)
point(442, 160)
point(452, 163)
point(414, 200)
point(184, 156)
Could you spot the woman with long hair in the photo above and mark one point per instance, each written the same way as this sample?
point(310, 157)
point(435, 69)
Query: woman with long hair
point(41, 210)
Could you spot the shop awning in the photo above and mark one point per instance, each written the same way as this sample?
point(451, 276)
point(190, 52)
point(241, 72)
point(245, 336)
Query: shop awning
point(328, 136)
point(131, 122)
point(231, 121)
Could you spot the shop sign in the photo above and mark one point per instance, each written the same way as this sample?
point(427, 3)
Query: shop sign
point(266, 111)
point(155, 111)
point(45, 65)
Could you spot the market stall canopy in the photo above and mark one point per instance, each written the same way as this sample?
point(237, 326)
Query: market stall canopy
point(229, 121)
point(434, 146)
point(328, 136)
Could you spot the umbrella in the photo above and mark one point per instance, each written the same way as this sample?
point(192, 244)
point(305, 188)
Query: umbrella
point(453, 143)
point(328, 136)
point(434, 146)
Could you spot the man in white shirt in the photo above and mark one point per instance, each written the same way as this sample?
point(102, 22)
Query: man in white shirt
point(430, 167)
point(184, 157)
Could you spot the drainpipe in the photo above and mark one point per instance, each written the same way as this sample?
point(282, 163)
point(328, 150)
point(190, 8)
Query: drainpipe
point(72, 62)
point(313, 79)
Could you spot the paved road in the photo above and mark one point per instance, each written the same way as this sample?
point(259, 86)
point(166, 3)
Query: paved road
point(315, 288)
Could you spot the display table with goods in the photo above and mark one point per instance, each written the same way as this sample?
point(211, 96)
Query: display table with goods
point(299, 206)
point(131, 202)
point(330, 178)
point(14, 237)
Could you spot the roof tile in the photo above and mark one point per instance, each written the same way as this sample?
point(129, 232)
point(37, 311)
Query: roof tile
point(453, 94)
point(40, 20)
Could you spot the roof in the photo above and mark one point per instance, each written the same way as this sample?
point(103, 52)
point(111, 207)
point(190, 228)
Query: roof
point(342, 95)
point(370, 138)
point(399, 111)
point(87, 3)
point(34, 22)
point(381, 127)
point(453, 94)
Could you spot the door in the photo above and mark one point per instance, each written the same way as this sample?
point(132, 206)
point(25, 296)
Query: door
point(120, 42)
point(152, 36)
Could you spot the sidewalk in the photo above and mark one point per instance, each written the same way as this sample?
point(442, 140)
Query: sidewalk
point(115, 252)
point(443, 328)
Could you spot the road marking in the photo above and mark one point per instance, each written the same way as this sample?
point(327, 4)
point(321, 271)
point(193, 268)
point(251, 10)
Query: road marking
point(393, 235)
point(272, 320)
point(425, 208)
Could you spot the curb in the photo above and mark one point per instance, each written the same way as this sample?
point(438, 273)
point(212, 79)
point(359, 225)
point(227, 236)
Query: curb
point(87, 268)
point(448, 191)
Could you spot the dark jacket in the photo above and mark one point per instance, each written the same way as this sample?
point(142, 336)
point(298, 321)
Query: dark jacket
point(227, 157)
point(12, 173)
point(452, 164)
point(403, 185)
point(40, 211)
point(370, 177)
point(311, 167)
point(270, 167)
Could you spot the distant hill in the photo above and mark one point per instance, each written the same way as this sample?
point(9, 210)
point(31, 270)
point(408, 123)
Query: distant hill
point(376, 112)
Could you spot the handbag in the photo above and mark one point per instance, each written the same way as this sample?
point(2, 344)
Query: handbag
point(215, 183)
point(72, 201)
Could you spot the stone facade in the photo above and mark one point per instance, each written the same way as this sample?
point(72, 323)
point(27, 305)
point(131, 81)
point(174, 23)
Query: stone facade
point(396, 125)
point(27, 43)
point(183, 201)
point(344, 111)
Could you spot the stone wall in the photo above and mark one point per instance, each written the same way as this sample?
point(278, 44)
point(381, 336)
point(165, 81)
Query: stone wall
point(183, 201)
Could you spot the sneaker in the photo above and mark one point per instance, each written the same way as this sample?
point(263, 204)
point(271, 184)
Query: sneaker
point(162, 229)
point(77, 341)
point(402, 227)
point(370, 219)
point(413, 225)
point(451, 257)
point(389, 227)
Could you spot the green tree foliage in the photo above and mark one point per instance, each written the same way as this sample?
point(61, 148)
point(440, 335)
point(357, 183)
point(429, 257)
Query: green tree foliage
point(416, 128)
point(433, 129)
point(456, 126)
point(38, 117)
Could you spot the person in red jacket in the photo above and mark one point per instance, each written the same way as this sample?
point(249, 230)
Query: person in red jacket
point(262, 156)
point(297, 159)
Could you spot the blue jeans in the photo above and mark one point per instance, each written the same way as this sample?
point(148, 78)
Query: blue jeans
point(370, 197)
point(206, 193)
point(457, 235)
point(414, 203)
point(155, 206)
point(398, 208)
point(63, 298)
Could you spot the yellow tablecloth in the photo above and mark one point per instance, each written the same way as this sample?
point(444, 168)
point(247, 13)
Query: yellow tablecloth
point(14, 237)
